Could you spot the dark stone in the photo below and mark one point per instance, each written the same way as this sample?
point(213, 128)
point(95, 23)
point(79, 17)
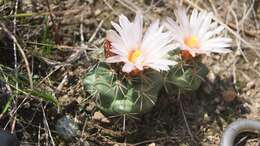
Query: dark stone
point(66, 128)
point(7, 139)
point(6, 49)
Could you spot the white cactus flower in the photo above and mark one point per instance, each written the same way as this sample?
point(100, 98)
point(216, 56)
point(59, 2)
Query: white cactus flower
point(197, 34)
point(138, 51)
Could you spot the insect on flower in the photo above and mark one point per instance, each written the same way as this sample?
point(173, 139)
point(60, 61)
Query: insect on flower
point(197, 34)
point(138, 51)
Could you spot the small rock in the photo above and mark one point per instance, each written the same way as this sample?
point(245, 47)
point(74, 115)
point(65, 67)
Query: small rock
point(217, 57)
point(7, 139)
point(216, 100)
point(216, 68)
point(220, 108)
point(211, 76)
point(206, 117)
point(100, 117)
point(250, 84)
point(90, 107)
point(217, 111)
point(255, 63)
point(66, 127)
point(244, 109)
point(97, 12)
point(229, 95)
point(152, 144)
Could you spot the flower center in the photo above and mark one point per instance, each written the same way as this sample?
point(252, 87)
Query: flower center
point(134, 55)
point(192, 41)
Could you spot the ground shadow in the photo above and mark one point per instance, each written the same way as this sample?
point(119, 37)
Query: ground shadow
point(206, 112)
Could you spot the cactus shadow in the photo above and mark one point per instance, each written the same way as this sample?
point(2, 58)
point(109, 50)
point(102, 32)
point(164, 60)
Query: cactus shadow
point(206, 112)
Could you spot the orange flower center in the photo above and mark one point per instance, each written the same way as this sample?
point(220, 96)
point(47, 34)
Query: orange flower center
point(134, 55)
point(191, 41)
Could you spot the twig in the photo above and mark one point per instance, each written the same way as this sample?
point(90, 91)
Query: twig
point(64, 12)
point(82, 40)
point(56, 32)
point(108, 5)
point(39, 135)
point(247, 32)
point(124, 119)
point(47, 126)
point(152, 5)
point(15, 62)
point(237, 40)
point(213, 7)
point(62, 47)
point(22, 53)
point(54, 70)
point(81, 30)
point(14, 111)
point(64, 80)
point(96, 31)
point(247, 13)
point(184, 117)
point(14, 45)
point(83, 129)
point(129, 5)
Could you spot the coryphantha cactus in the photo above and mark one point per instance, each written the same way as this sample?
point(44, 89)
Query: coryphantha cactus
point(186, 77)
point(116, 94)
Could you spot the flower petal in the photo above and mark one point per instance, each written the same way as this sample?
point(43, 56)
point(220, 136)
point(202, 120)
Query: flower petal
point(114, 59)
point(128, 68)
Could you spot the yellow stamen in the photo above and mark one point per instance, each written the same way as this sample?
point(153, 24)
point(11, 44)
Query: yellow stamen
point(134, 55)
point(192, 42)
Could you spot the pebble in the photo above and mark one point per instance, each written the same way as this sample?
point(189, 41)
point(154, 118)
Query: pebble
point(216, 100)
point(255, 64)
point(152, 144)
point(229, 95)
point(90, 107)
point(7, 139)
point(66, 127)
point(206, 117)
point(211, 76)
point(250, 84)
point(97, 12)
point(100, 117)
point(216, 68)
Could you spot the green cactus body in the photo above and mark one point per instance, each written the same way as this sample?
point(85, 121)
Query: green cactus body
point(114, 96)
point(186, 78)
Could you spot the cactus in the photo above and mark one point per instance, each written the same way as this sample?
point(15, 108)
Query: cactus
point(120, 95)
point(186, 78)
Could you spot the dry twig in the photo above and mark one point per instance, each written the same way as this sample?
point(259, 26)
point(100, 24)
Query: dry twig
point(22, 53)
